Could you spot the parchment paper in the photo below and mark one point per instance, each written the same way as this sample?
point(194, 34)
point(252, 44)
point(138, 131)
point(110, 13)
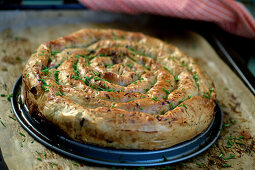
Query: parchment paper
point(21, 32)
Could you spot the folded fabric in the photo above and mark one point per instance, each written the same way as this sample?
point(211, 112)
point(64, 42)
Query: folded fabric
point(230, 15)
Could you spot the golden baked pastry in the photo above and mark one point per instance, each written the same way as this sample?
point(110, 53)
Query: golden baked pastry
point(119, 89)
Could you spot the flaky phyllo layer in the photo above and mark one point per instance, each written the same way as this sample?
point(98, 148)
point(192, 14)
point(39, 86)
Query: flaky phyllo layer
point(119, 89)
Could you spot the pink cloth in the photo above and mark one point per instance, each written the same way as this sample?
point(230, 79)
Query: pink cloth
point(230, 15)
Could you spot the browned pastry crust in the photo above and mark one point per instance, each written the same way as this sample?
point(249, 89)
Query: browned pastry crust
point(119, 89)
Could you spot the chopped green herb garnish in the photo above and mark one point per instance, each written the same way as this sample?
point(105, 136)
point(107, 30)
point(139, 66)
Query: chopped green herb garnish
point(171, 105)
point(129, 65)
point(88, 58)
point(176, 78)
point(108, 65)
point(59, 94)
point(153, 83)
point(155, 98)
point(39, 159)
point(9, 97)
point(140, 108)
point(97, 78)
point(165, 158)
point(115, 38)
point(39, 153)
point(55, 52)
point(46, 70)
point(229, 141)
point(121, 115)
point(27, 75)
point(130, 100)
point(167, 92)
point(87, 79)
point(44, 84)
point(146, 67)
point(230, 157)
point(96, 73)
point(196, 78)
point(12, 118)
point(166, 69)
point(183, 106)
point(239, 143)
point(76, 71)
point(75, 164)
point(3, 123)
point(182, 101)
point(142, 96)
point(226, 124)
point(53, 164)
point(21, 144)
point(199, 164)
point(241, 137)
point(50, 59)
point(146, 90)
point(3, 95)
point(137, 52)
point(226, 165)
point(207, 96)
point(232, 121)
point(22, 134)
point(106, 89)
point(56, 73)
point(211, 90)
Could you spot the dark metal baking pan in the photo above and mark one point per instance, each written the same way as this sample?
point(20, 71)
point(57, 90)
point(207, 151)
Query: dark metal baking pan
point(59, 142)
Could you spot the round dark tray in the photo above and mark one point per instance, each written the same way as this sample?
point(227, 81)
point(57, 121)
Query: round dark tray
point(59, 142)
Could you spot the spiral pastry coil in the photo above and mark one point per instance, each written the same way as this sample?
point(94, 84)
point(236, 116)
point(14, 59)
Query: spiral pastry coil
point(119, 89)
